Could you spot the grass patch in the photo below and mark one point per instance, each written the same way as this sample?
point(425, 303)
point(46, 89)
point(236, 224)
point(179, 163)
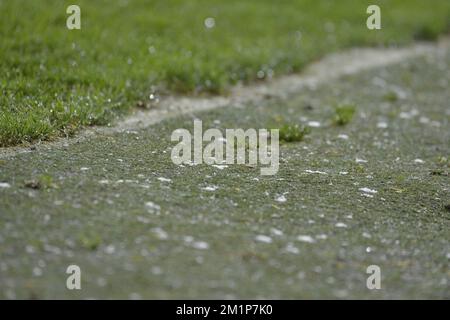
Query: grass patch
point(90, 241)
point(293, 133)
point(54, 81)
point(42, 182)
point(344, 114)
point(426, 33)
point(391, 96)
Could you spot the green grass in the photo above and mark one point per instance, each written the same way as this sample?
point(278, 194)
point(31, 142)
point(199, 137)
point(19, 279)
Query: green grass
point(54, 81)
point(293, 133)
point(344, 114)
point(42, 182)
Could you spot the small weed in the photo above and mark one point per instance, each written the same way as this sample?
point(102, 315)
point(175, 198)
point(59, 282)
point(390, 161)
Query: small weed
point(426, 33)
point(90, 242)
point(391, 96)
point(344, 114)
point(42, 182)
point(443, 161)
point(359, 169)
point(293, 133)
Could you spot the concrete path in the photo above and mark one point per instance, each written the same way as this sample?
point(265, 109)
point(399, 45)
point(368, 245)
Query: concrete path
point(373, 192)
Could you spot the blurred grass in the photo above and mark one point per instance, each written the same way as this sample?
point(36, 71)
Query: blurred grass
point(54, 81)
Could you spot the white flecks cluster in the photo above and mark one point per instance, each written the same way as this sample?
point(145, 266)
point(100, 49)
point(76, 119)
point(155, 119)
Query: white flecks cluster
point(359, 160)
point(220, 166)
point(368, 190)
point(408, 114)
point(152, 207)
point(210, 22)
point(315, 171)
point(305, 238)
point(200, 245)
point(276, 232)
point(263, 238)
point(290, 248)
point(281, 198)
point(160, 233)
point(210, 188)
point(382, 125)
point(340, 225)
point(314, 124)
